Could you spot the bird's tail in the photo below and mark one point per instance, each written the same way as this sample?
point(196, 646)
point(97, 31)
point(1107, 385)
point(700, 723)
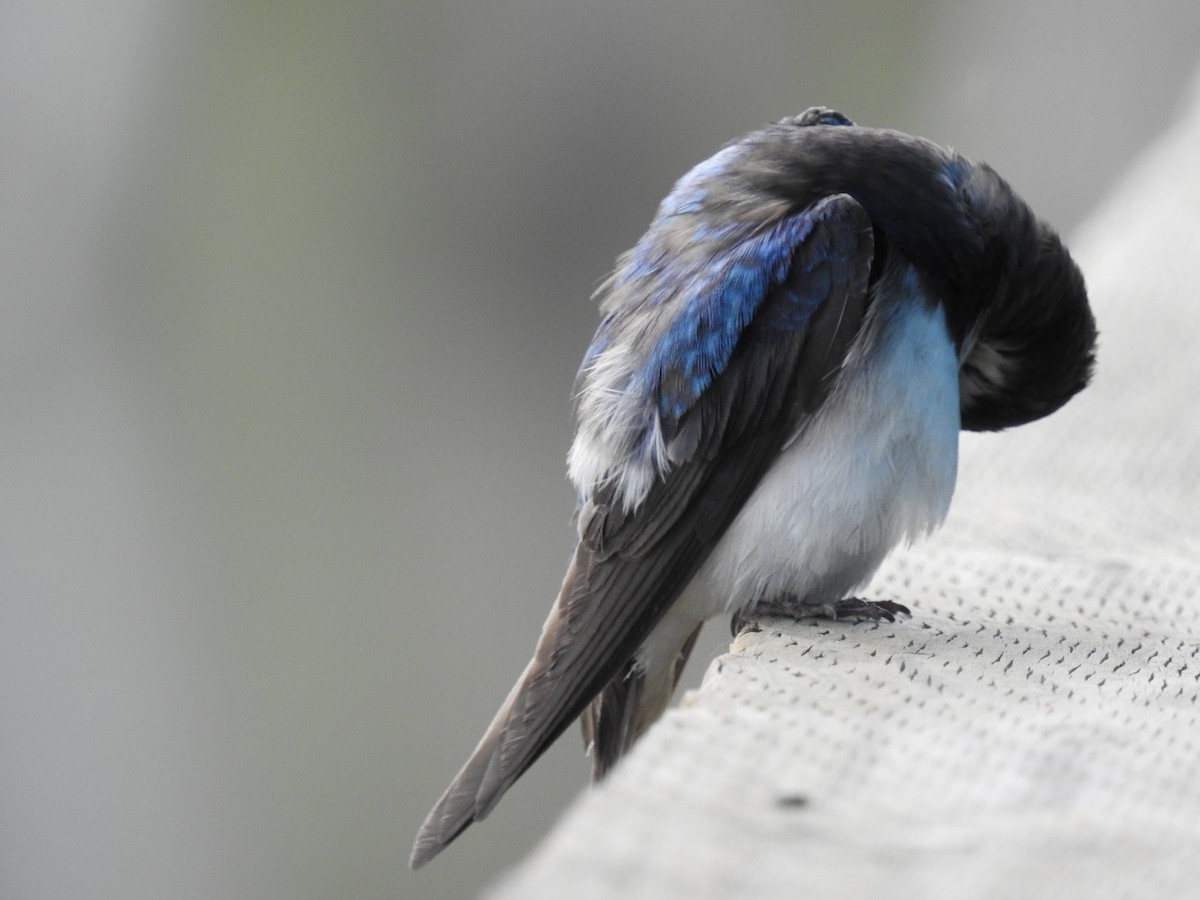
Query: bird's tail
point(633, 700)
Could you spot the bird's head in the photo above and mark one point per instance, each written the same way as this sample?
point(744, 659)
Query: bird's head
point(1031, 346)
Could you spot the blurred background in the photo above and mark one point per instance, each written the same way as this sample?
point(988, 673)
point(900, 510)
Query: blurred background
point(293, 295)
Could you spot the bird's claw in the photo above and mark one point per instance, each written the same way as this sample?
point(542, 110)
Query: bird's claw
point(866, 610)
point(790, 608)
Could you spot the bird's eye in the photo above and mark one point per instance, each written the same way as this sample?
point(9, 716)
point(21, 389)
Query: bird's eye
point(819, 115)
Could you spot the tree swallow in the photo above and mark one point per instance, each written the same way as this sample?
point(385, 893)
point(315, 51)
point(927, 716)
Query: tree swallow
point(772, 403)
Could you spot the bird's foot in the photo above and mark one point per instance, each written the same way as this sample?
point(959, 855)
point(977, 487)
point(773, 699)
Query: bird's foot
point(865, 610)
point(788, 606)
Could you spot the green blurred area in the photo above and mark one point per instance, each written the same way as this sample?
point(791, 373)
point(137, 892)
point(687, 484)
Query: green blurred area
point(294, 296)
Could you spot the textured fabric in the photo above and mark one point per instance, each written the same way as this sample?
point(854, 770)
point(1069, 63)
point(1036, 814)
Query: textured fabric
point(1034, 728)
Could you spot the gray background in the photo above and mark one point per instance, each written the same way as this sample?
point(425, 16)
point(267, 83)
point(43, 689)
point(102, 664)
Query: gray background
point(293, 295)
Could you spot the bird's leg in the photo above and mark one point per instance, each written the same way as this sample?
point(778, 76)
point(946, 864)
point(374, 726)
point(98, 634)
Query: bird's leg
point(789, 606)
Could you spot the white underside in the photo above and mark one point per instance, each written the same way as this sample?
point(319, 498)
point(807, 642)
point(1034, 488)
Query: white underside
point(875, 467)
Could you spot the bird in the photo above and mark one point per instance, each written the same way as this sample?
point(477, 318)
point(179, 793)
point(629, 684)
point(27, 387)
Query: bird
point(770, 404)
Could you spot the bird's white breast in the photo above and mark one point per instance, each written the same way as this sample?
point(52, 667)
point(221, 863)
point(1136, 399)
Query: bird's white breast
point(875, 466)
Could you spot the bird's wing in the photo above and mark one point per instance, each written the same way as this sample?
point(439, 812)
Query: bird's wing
point(749, 352)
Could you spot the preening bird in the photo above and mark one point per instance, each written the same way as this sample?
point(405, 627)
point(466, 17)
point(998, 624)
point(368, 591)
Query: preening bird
point(770, 404)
